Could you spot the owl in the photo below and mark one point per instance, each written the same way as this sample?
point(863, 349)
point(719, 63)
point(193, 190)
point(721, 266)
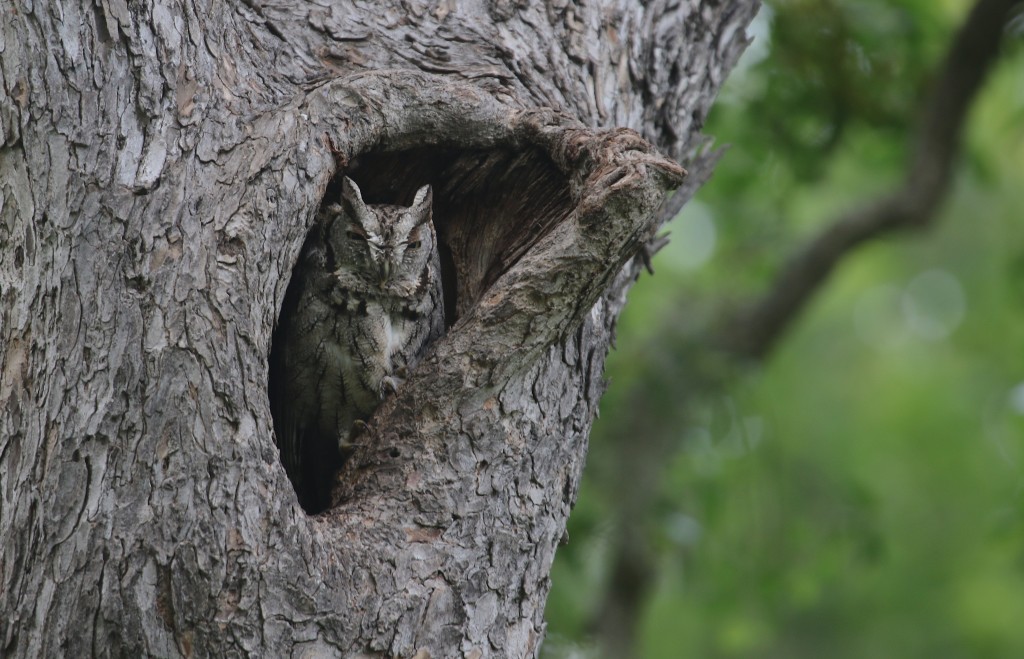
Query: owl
point(364, 303)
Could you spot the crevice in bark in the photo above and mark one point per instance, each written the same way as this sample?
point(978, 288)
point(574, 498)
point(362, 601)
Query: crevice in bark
point(537, 212)
point(490, 206)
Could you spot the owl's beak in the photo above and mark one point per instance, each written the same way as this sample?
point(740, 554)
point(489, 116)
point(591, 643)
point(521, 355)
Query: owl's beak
point(384, 271)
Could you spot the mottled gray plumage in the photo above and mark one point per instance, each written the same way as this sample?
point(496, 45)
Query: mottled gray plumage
point(365, 301)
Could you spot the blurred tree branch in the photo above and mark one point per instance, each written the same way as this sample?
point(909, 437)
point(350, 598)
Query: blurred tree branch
point(753, 332)
point(706, 354)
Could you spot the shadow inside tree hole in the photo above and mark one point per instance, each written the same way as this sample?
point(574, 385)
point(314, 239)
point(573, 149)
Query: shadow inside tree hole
point(489, 208)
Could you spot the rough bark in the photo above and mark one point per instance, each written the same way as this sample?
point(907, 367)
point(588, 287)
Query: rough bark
point(160, 167)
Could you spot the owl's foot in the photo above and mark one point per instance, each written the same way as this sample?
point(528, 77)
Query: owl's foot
point(389, 385)
point(346, 442)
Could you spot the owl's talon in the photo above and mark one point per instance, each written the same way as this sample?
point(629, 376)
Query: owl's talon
point(389, 385)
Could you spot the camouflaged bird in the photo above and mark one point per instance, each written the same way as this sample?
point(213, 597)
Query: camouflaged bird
point(365, 302)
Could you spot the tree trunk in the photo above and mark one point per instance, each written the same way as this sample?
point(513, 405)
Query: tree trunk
point(161, 166)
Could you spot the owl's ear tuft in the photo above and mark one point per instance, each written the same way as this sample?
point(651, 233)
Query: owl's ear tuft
point(352, 199)
point(421, 204)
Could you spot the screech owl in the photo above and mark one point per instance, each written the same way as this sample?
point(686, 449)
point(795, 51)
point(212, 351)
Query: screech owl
point(364, 303)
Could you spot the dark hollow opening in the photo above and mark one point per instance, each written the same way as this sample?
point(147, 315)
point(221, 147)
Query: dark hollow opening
point(489, 208)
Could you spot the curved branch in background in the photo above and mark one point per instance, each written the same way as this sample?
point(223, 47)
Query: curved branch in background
point(753, 332)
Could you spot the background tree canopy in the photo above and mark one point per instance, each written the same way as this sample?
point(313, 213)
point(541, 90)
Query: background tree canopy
point(860, 491)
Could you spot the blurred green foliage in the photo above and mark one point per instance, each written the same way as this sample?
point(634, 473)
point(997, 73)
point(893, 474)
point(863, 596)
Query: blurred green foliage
point(861, 494)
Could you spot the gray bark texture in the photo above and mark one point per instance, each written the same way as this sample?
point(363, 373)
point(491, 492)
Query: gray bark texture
point(161, 164)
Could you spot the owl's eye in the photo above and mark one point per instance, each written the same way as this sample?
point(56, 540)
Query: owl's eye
point(355, 235)
point(413, 245)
